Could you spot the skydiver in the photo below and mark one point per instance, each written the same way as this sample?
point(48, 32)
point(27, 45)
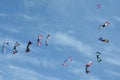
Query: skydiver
point(3, 47)
point(88, 65)
point(98, 6)
point(27, 48)
point(104, 25)
point(68, 59)
point(103, 40)
point(98, 58)
point(14, 49)
point(38, 40)
point(46, 41)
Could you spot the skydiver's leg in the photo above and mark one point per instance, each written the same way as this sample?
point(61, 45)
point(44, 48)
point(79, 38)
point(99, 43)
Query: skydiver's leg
point(3, 49)
point(100, 27)
point(46, 43)
point(106, 40)
point(27, 50)
point(86, 69)
point(103, 25)
point(99, 60)
point(14, 50)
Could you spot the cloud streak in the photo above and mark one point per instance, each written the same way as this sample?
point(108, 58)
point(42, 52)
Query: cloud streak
point(67, 40)
point(111, 72)
point(113, 60)
point(27, 74)
point(2, 15)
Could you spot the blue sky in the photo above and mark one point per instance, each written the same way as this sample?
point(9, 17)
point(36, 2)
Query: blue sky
point(73, 26)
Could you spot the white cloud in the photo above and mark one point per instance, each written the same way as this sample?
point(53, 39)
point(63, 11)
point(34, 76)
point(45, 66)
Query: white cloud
point(14, 30)
point(2, 15)
point(113, 60)
point(75, 67)
point(10, 28)
point(92, 77)
point(33, 18)
point(19, 73)
point(45, 62)
point(28, 17)
point(29, 3)
point(111, 72)
point(75, 71)
point(67, 40)
point(33, 3)
point(116, 18)
point(41, 62)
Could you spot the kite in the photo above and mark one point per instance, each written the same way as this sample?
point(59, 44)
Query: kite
point(14, 49)
point(27, 48)
point(98, 58)
point(104, 25)
point(38, 40)
point(88, 65)
point(98, 6)
point(46, 41)
point(3, 47)
point(103, 40)
point(66, 60)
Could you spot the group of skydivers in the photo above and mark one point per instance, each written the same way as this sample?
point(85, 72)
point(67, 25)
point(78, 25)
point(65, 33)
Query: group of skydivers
point(27, 47)
point(46, 44)
point(97, 53)
point(100, 39)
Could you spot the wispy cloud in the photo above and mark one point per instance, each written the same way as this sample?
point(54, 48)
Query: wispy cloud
point(29, 3)
point(45, 62)
point(33, 3)
point(112, 73)
point(29, 17)
point(92, 77)
point(36, 61)
point(75, 68)
point(67, 40)
point(10, 28)
point(14, 30)
point(116, 18)
point(113, 60)
point(27, 74)
point(2, 15)
point(111, 55)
